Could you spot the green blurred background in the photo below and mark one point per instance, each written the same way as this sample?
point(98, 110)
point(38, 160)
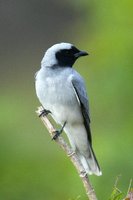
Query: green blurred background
point(32, 167)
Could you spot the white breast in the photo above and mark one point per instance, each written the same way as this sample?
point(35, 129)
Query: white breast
point(56, 94)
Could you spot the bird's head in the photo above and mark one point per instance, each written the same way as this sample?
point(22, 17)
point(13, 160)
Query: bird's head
point(62, 54)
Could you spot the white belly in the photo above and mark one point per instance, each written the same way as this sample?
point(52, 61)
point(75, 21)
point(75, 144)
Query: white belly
point(59, 97)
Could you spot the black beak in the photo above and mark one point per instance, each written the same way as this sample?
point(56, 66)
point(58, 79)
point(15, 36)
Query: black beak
point(80, 53)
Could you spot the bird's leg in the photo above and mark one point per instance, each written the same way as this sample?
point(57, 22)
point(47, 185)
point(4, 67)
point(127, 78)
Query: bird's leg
point(58, 132)
point(44, 112)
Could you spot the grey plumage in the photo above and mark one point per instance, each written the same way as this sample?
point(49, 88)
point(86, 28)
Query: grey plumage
point(61, 90)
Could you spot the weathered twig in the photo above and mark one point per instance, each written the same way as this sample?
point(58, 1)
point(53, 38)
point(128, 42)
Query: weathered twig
point(72, 155)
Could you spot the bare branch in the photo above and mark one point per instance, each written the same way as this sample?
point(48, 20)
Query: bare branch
point(71, 154)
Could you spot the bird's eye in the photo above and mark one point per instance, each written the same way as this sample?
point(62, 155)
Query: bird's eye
point(67, 52)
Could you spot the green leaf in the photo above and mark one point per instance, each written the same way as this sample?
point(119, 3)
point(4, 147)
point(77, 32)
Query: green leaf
point(116, 194)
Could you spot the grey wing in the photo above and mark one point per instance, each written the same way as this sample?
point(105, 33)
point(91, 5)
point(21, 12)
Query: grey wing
point(79, 88)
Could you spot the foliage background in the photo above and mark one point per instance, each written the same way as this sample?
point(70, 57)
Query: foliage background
point(31, 165)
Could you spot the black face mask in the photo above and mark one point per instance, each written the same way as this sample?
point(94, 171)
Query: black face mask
point(66, 57)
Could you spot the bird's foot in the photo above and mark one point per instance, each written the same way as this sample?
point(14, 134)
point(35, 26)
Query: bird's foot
point(58, 132)
point(44, 112)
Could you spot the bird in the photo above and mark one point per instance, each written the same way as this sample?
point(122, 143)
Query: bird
point(62, 92)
